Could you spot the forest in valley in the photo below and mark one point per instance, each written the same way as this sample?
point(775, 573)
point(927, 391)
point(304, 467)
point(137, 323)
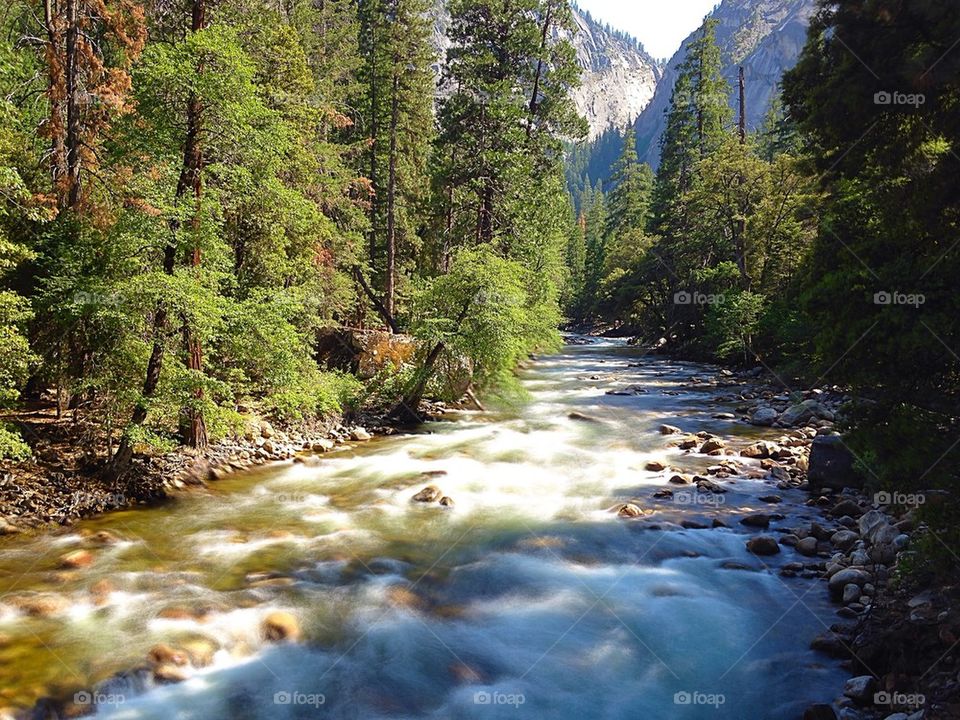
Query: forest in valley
point(193, 190)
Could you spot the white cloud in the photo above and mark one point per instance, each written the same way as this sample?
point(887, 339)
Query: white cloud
point(661, 25)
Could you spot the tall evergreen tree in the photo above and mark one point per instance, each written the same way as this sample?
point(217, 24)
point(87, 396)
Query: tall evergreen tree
point(628, 201)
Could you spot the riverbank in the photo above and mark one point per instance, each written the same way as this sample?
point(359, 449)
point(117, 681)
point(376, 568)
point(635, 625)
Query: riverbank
point(66, 478)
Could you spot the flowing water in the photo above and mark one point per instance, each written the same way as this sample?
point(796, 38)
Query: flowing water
point(527, 599)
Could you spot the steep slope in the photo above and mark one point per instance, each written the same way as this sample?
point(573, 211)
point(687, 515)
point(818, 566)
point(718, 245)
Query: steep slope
point(619, 76)
point(764, 36)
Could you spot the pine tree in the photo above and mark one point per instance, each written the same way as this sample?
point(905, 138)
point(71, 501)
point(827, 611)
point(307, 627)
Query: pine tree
point(628, 201)
point(697, 120)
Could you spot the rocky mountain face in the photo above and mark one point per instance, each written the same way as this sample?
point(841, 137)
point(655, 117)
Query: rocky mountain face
point(763, 36)
point(619, 76)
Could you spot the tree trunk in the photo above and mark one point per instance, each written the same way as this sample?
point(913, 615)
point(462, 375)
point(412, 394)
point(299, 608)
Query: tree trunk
point(485, 213)
point(56, 91)
point(407, 410)
point(390, 291)
point(534, 105)
point(741, 229)
point(374, 131)
point(196, 435)
point(189, 180)
point(73, 111)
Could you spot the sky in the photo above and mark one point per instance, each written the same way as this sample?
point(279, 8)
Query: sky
point(661, 25)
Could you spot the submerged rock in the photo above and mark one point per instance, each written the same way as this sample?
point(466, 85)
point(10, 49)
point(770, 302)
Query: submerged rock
point(629, 510)
point(763, 545)
point(431, 493)
point(280, 626)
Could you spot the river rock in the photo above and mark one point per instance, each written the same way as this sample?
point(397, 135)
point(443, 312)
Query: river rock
point(772, 499)
point(759, 520)
point(689, 442)
point(200, 651)
point(322, 445)
point(832, 465)
point(846, 507)
point(429, 494)
point(680, 479)
point(860, 689)
point(763, 545)
point(807, 546)
point(580, 417)
point(839, 580)
point(163, 654)
point(360, 434)
point(759, 450)
point(629, 510)
point(851, 593)
point(844, 540)
point(655, 466)
point(280, 626)
point(802, 412)
point(764, 416)
point(712, 445)
point(669, 430)
point(76, 559)
point(447, 501)
point(39, 606)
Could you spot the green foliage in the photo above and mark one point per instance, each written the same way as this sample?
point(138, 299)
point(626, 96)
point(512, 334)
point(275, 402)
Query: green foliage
point(12, 446)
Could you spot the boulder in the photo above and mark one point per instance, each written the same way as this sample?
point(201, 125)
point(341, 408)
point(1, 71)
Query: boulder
point(322, 445)
point(280, 626)
point(76, 559)
point(629, 510)
point(839, 580)
point(359, 434)
point(711, 445)
point(447, 501)
point(759, 450)
point(163, 654)
point(655, 466)
point(429, 494)
point(803, 412)
point(832, 465)
point(763, 545)
point(860, 689)
point(759, 520)
point(669, 429)
point(851, 593)
point(764, 416)
point(844, 540)
point(807, 546)
point(846, 507)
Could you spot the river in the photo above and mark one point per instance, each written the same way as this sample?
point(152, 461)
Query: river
point(528, 598)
